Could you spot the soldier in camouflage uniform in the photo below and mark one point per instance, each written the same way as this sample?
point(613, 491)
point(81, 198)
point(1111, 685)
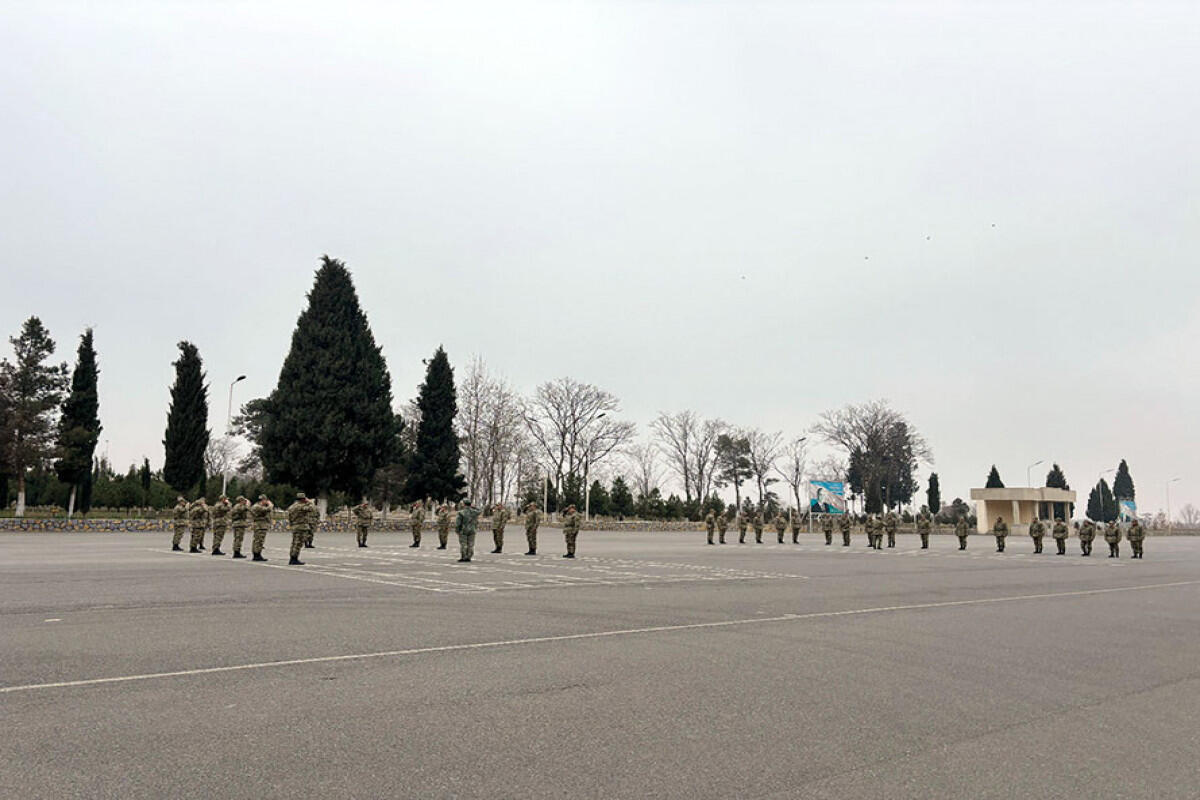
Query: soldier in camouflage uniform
point(869, 527)
point(314, 514)
point(499, 520)
point(722, 526)
point(844, 525)
point(961, 529)
point(179, 520)
point(1112, 535)
point(1037, 530)
point(710, 524)
point(417, 520)
point(780, 523)
point(1087, 532)
point(198, 520)
point(924, 526)
point(300, 520)
point(741, 525)
point(363, 516)
point(1136, 535)
point(260, 523)
point(827, 528)
point(445, 517)
point(756, 522)
point(890, 522)
point(570, 526)
point(532, 519)
point(220, 522)
point(465, 526)
point(1000, 531)
point(795, 521)
point(239, 518)
point(1059, 533)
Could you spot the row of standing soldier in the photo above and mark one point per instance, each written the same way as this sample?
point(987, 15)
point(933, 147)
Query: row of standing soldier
point(878, 526)
point(303, 518)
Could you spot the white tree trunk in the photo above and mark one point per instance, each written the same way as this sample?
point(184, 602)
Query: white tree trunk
point(71, 502)
point(20, 496)
point(323, 504)
point(387, 506)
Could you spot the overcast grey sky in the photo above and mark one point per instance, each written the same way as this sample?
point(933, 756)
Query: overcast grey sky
point(986, 213)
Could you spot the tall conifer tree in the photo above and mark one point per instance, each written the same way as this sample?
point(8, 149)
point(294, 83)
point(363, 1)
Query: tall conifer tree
point(433, 471)
point(993, 479)
point(934, 494)
point(33, 391)
point(329, 424)
point(187, 433)
point(79, 426)
point(1055, 479)
point(1123, 483)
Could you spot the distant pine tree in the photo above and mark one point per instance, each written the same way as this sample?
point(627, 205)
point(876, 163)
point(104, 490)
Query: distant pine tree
point(1055, 479)
point(1101, 506)
point(1123, 483)
point(329, 424)
point(621, 498)
point(433, 469)
point(934, 494)
point(993, 479)
point(79, 426)
point(187, 433)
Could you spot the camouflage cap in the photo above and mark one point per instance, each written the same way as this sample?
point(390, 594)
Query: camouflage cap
point(301, 496)
point(262, 497)
point(240, 498)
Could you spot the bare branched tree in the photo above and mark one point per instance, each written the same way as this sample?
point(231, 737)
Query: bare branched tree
point(792, 471)
point(1189, 515)
point(645, 471)
point(572, 425)
point(675, 436)
point(491, 433)
point(764, 452)
point(881, 443)
point(705, 456)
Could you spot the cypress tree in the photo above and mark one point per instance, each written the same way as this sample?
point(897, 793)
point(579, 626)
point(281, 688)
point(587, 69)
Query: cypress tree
point(934, 494)
point(1055, 479)
point(145, 476)
point(79, 426)
point(1101, 506)
point(186, 437)
point(329, 424)
point(993, 479)
point(1123, 483)
point(433, 470)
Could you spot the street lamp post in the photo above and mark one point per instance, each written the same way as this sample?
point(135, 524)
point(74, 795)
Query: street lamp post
point(1170, 522)
point(587, 487)
point(1028, 478)
point(228, 423)
point(1099, 494)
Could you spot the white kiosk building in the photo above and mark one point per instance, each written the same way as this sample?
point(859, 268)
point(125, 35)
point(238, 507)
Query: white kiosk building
point(1018, 506)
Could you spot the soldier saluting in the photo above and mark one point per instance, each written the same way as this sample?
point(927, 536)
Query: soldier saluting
point(363, 514)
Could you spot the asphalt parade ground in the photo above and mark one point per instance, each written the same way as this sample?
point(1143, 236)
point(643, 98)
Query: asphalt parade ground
point(651, 666)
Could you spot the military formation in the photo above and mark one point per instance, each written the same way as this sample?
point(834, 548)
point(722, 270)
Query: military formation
point(884, 527)
point(303, 518)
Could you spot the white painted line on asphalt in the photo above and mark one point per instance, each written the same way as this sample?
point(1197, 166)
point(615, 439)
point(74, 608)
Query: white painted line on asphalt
point(449, 648)
point(55, 619)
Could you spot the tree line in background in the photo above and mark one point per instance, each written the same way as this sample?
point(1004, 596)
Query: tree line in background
point(330, 428)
